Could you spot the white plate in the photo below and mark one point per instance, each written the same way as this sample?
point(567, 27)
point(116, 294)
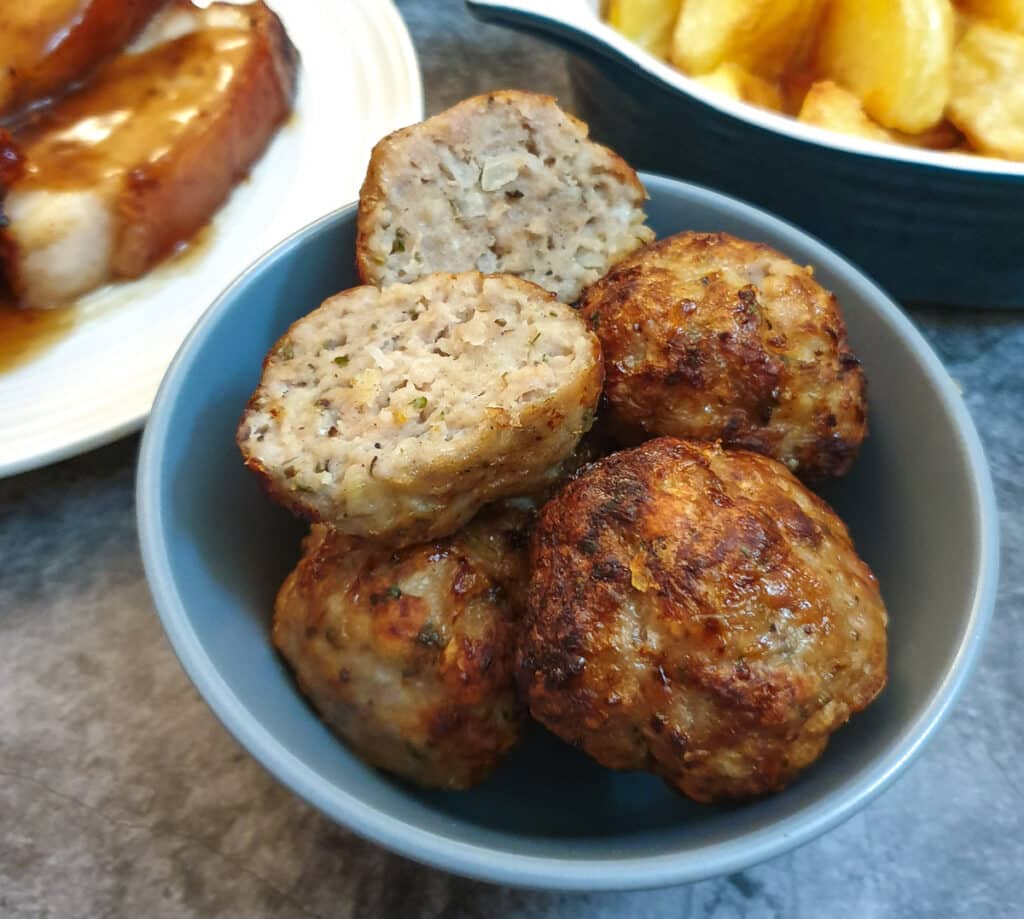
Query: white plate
point(359, 80)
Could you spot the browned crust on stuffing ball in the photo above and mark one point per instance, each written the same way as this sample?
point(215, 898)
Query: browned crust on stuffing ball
point(698, 613)
point(408, 655)
point(411, 450)
point(716, 338)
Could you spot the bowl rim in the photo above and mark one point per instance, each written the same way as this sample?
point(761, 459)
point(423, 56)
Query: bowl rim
point(576, 22)
point(487, 863)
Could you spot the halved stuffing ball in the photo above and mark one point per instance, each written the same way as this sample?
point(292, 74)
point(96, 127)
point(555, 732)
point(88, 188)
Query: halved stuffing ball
point(711, 337)
point(698, 613)
point(398, 413)
point(408, 655)
point(506, 182)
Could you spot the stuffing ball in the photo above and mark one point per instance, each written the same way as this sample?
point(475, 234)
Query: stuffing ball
point(408, 655)
point(711, 337)
point(396, 414)
point(505, 183)
point(698, 613)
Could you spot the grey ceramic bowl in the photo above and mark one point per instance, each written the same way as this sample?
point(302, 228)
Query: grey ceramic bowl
point(919, 503)
point(932, 226)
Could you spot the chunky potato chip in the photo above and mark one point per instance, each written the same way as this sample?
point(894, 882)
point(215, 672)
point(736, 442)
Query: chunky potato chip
point(1006, 13)
point(828, 105)
point(894, 54)
point(733, 80)
point(987, 100)
point(944, 136)
point(764, 36)
point(647, 22)
point(889, 64)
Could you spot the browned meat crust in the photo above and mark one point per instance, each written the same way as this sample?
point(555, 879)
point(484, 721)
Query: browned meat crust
point(167, 203)
point(408, 655)
point(699, 613)
point(712, 337)
point(47, 53)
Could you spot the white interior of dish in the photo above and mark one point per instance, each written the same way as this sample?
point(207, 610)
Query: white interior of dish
point(583, 16)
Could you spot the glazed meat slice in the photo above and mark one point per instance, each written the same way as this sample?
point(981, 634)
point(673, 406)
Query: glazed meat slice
point(48, 45)
point(123, 171)
point(502, 183)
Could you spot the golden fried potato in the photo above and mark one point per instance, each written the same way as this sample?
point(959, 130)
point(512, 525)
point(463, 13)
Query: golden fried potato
point(987, 101)
point(795, 85)
point(1006, 13)
point(894, 54)
point(698, 613)
point(647, 22)
point(828, 105)
point(734, 81)
point(765, 36)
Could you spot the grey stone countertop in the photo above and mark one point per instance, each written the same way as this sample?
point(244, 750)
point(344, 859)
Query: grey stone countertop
point(121, 794)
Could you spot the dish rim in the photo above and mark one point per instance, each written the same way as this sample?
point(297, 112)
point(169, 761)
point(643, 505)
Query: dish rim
point(485, 863)
point(574, 21)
